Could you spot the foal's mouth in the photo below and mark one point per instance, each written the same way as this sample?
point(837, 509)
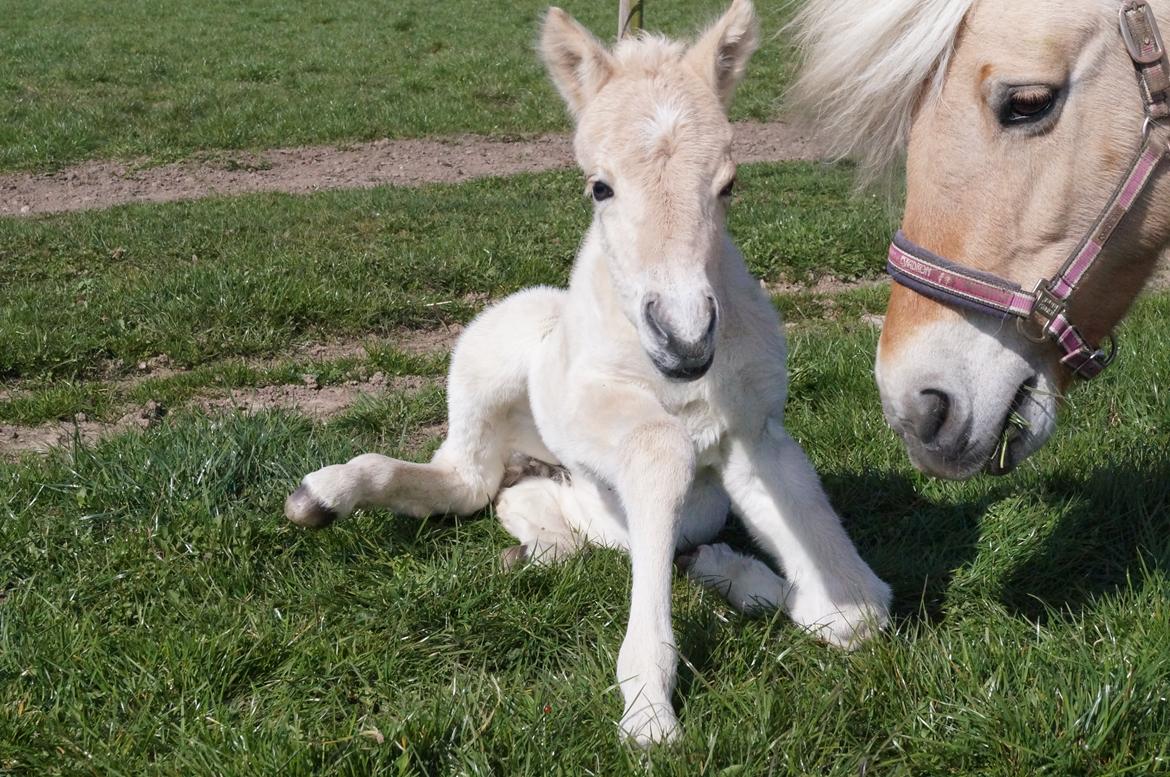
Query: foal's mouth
point(684, 372)
point(1014, 433)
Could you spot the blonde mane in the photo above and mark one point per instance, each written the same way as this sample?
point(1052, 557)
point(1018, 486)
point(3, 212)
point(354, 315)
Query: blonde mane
point(865, 66)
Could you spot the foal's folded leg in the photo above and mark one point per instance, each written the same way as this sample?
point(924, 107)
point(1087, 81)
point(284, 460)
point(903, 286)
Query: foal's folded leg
point(373, 480)
point(487, 412)
point(747, 583)
point(778, 495)
point(534, 511)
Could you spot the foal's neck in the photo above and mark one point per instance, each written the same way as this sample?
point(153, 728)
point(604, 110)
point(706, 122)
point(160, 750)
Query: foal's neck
point(592, 293)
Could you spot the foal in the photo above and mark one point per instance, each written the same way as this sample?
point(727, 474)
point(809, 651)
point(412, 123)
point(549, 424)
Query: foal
point(657, 379)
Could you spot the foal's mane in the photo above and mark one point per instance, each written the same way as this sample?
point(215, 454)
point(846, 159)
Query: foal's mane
point(865, 66)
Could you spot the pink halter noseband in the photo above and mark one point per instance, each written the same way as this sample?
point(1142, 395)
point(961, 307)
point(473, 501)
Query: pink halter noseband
point(1041, 314)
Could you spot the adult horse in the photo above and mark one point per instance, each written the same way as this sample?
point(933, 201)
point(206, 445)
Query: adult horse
point(1034, 135)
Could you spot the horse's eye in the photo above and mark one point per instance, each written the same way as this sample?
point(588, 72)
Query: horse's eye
point(1027, 104)
point(728, 189)
point(601, 191)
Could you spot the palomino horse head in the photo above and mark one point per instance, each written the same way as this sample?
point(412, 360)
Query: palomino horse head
point(655, 144)
point(1018, 120)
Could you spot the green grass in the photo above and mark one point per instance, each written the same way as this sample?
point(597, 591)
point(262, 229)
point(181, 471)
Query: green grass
point(159, 617)
point(163, 80)
point(255, 276)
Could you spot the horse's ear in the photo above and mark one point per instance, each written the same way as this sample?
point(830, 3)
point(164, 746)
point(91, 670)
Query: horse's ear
point(721, 55)
point(577, 62)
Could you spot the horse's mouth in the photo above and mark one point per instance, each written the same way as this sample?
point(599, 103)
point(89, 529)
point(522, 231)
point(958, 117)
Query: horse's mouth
point(1013, 446)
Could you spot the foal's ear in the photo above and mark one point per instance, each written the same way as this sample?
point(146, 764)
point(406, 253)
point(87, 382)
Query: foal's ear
point(721, 55)
point(577, 62)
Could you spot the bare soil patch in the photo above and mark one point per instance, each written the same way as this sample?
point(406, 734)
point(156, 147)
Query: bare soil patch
point(317, 402)
point(15, 440)
point(409, 162)
point(826, 284)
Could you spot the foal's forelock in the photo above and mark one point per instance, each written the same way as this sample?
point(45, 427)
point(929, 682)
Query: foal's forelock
point(667, 153)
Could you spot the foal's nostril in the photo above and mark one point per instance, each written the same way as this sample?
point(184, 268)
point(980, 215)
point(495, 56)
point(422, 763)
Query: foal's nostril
point(713, 307)
point(650, 313)
point(930, 410)
point(685, 356)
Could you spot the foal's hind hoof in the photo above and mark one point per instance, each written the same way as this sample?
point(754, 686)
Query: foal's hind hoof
point(512, 557)
point(303, 509)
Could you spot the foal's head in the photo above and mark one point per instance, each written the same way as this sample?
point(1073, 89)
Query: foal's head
point(655, 144)
point(1018, 119)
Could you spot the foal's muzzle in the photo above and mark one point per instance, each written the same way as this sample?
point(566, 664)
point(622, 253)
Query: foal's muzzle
point(676, 356)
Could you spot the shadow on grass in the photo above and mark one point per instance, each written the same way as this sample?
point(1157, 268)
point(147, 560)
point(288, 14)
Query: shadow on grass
point(912, 542)
point(1114, 531)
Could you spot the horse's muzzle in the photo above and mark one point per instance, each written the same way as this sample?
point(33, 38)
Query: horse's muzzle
point(675, 356)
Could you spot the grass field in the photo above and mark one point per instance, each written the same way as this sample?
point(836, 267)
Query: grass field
point(132, 79)
point(158, 616)
point(252, 276)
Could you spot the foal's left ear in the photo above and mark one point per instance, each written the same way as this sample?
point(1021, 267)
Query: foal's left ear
point(721, 55)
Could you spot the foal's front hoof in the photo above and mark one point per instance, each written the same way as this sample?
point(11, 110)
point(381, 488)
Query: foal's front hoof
point(650, 725)
point(303, 509)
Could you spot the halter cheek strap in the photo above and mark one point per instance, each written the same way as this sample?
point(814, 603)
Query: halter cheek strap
point(1042, 313)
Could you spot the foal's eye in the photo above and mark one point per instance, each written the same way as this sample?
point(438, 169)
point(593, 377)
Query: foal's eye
point(1027, 104)
point(601, 191)
point(727, 190)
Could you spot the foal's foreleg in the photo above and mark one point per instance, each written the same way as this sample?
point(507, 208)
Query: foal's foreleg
point(649, 459)
point(778, 495)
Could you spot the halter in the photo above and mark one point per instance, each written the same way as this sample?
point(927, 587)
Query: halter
point(1041, 314)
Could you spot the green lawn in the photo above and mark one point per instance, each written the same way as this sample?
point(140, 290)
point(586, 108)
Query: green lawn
point(158, 616)
point(253, 276)
point(83, 79)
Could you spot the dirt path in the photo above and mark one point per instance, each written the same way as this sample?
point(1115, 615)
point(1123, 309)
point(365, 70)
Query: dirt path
point(319, 402)
point(316, 402)
point(94, 185)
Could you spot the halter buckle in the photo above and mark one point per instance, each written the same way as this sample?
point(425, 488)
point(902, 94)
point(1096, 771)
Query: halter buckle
point(1106, 357)
point(1046, 307)
point(1150, 49)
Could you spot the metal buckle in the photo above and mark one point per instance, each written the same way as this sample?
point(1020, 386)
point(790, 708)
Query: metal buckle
point(1046, 307)
point(1136, 51)
point(1103, 357)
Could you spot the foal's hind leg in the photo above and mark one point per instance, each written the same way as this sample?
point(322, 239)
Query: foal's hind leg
point(747, 583)
point(534, 512)
point(488, 417)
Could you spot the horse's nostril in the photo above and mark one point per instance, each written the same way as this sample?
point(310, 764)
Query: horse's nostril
point(930, 410)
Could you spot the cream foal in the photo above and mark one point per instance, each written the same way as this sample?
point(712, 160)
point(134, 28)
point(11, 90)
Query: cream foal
point(657, 379)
